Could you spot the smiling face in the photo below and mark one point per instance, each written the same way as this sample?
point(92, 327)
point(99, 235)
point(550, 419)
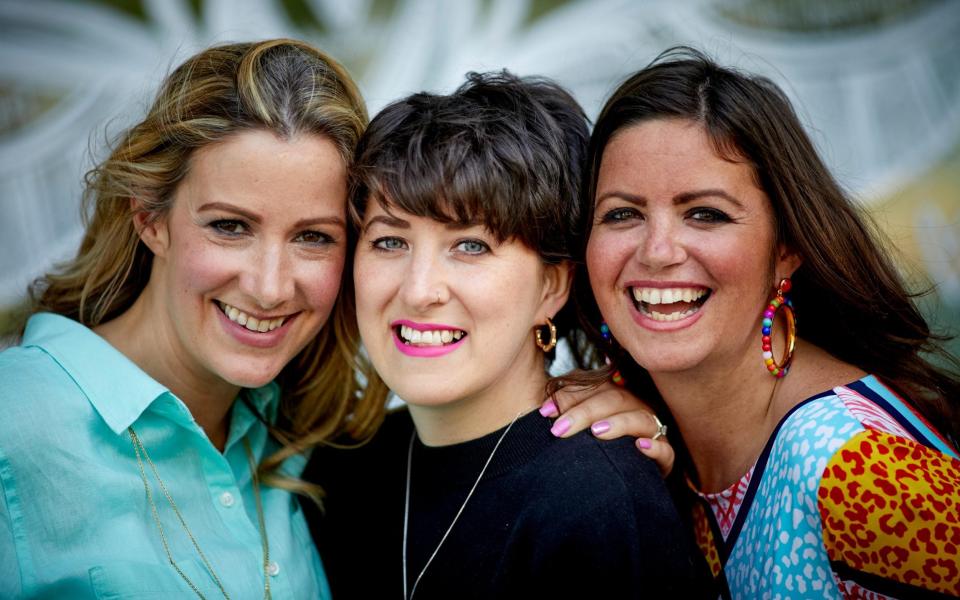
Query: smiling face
point(682, 255)
point(247, 263)
point(447, 313)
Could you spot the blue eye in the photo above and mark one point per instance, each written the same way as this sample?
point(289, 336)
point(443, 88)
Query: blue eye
point(709, 215)
point(620, 215)
point(472, 247)
point(388, 243)
point(229, 227)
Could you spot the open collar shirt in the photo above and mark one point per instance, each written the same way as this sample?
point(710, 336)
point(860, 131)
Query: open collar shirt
point(75, 519)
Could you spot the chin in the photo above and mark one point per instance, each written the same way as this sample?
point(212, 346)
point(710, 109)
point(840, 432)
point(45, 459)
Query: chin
point(666, 362)
point(419, 398)
point(250, 376)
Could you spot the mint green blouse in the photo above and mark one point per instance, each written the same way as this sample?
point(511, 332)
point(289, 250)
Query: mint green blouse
point(74, 518)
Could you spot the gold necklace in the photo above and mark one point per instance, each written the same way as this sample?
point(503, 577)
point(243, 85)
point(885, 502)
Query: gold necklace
point(139, 449)
point(406, 507)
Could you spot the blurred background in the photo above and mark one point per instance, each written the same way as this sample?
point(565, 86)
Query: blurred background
point(877, 83)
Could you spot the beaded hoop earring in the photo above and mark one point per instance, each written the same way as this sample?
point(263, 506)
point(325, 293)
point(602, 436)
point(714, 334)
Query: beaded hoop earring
point(553, 337)
point(779, 302)
point(617, 378)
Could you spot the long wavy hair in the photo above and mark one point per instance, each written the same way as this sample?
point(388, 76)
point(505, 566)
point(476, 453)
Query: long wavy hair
point(283, 86)
point(852, 300)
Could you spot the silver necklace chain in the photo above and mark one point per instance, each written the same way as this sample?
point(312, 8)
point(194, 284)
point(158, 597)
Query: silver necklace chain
point(141, 453)
point(406, 508)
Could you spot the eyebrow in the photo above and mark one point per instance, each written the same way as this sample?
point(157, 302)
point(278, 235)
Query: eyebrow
point(253, 217)
point(388, 220)
point(391, 221)
point(679, 199)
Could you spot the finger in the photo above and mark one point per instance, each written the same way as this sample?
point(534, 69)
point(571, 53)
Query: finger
point(595, 408)
point(632, 423)
point(572, 395)
point(660, 451)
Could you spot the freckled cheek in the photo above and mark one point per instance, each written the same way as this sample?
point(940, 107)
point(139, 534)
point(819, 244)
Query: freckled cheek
point(606, 257)
point(506, 302)
point(321, 284)
point(737, 263)
point(375, 284)
point(203, 270)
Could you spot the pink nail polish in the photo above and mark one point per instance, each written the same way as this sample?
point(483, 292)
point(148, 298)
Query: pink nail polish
point(644, 444)
point(560, 427)
point(600, 427)
point(549, 409)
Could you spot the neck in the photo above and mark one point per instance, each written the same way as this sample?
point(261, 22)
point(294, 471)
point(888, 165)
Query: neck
point(725, 415)
point(469, 418)
point(155, 350)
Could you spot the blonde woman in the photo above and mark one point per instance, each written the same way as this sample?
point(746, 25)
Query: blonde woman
point(134, 443)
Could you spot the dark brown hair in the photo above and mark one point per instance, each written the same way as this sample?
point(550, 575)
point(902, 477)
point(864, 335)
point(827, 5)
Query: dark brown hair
point(502, 151)
point(850, 297)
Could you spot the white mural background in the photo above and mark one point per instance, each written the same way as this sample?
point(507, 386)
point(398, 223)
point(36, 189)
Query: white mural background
point(877, 82)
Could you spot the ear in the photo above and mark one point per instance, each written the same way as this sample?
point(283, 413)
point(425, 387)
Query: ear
point(152, 229)
point(788, 261)
point(557, 280)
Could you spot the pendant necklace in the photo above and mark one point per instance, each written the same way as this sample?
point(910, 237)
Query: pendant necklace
point(406, 507)
point(141, 453)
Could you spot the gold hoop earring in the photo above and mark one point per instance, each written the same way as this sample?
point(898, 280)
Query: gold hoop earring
point(553, 337)
point(780, 302)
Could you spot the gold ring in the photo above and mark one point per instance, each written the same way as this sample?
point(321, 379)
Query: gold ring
point(661, 428)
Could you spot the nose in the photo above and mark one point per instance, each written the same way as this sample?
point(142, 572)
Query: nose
point(661, 245)
point(267, 278)
point(424, 283)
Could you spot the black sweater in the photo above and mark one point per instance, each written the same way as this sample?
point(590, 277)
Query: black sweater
point(575, 518)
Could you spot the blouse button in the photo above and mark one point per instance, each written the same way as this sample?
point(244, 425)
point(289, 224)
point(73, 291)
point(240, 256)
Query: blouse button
point(273, 569)
point(226, 499)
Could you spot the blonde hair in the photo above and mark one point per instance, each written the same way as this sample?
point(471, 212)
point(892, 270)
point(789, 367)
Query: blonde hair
point(283, 86)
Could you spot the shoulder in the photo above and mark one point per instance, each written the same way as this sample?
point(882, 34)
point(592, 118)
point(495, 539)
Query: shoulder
point(602, 507)
point(31, 376)
point(582, 477)
point(824, 423)
point(40, 403)
point(888, 507)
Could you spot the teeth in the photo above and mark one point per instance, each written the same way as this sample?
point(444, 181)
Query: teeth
point(668, 295)
point(252, 323)
point(429, 338)
point(676, 316)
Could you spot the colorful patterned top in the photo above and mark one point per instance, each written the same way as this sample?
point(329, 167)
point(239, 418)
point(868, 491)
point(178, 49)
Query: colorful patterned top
point(853, 496)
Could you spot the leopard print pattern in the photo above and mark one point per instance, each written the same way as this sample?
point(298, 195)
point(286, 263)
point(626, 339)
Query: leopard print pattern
point(891, 507)
point(705, 539)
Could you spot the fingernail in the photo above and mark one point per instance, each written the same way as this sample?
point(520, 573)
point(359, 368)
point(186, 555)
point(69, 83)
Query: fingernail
point(560, 427)
point(644, 444)
point(600, 427)
point(549, 409)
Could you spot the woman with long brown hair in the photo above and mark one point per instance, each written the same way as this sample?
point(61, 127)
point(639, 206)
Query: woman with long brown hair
point(819, 446)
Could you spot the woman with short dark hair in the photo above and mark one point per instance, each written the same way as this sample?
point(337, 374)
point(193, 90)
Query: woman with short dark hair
point(467, 212)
